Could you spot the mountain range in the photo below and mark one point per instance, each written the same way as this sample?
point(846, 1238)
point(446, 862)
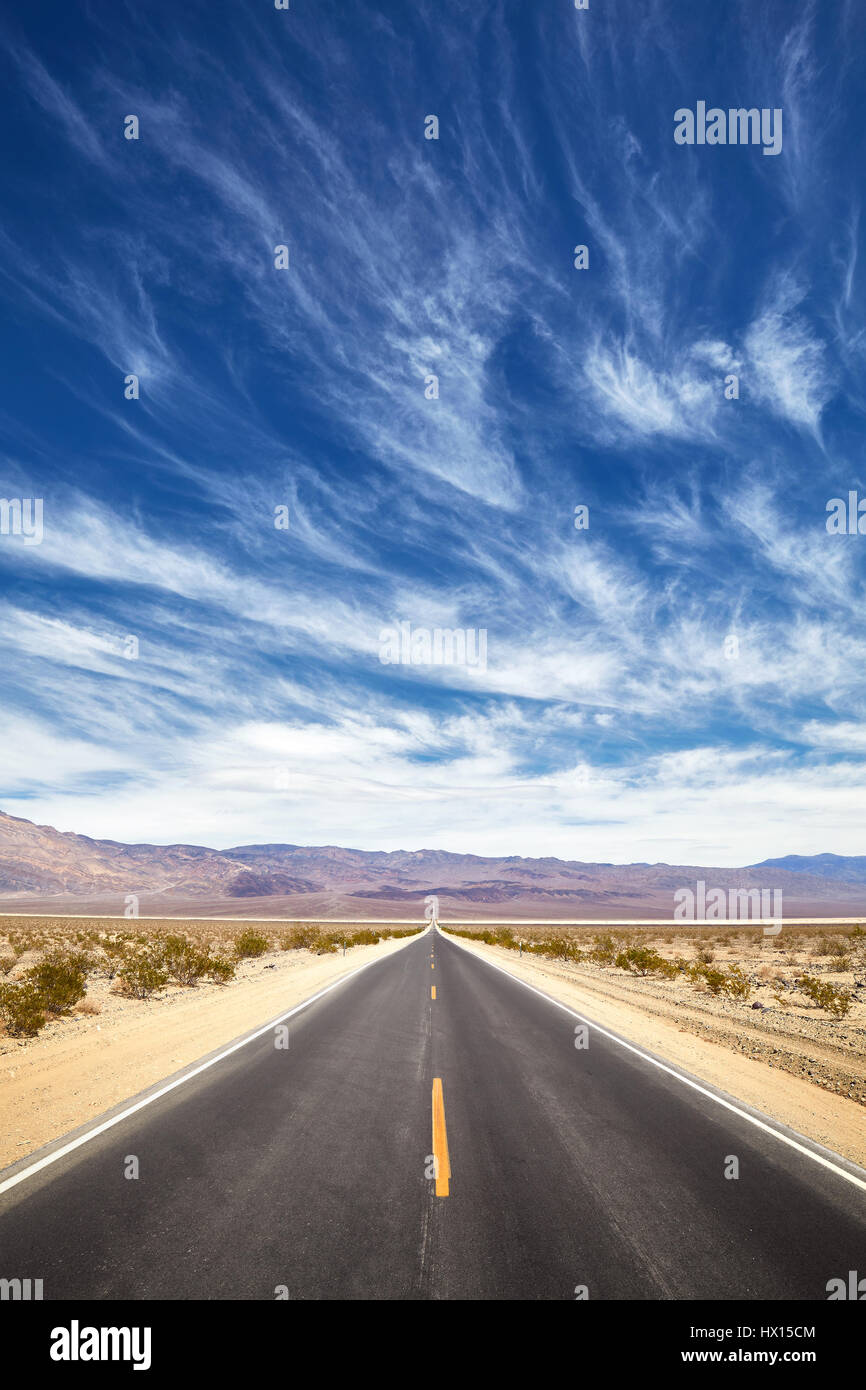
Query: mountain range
point(46, 870)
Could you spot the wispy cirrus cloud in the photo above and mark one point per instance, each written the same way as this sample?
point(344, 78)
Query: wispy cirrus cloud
point(657, 684)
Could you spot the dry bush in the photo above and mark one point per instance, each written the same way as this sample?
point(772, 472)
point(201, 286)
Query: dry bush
point(22, 1010)
point(88, 1006)
point(643, 960)
point(299, 938)
point(250, 944)
point(183, 960)
point(142, 973)
point(604, 952)
point(733, 982)
point(826, 996)
point(221, 969)
point(60, 979)
point(836, 946)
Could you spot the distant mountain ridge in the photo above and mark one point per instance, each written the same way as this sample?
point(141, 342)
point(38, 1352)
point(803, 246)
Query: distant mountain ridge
point(41, 864)
point(843, 868)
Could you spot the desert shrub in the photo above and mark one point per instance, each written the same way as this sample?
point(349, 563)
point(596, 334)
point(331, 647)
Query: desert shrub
point(88, 1006)
point(835, 946)
point(364, 937)
point(21, 1009)
point(705, 955)
point(142, 973)
point(732, 981)
point(221, 969)
point(183, 960)
point(641, 960)
point(826, 996)
point(494, 936)
point(115, 948)
point(736, 984)
point(298, 939)
point(328, 943)
point(604, 951)
point(561, 948)
point(251, 943)
point(60, 979)
point(302, 938)
point(667, 969)
point(713, 979)
point(6, 964)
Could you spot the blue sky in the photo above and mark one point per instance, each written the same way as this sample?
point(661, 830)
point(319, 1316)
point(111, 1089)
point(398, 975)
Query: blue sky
point(612, 719)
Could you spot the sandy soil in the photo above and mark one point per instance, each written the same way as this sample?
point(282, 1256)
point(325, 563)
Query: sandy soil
point(778, 1064)
point(81, 1066)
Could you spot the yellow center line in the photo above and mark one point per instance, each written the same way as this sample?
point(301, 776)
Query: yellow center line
point(433, 992)
point(440, 1141)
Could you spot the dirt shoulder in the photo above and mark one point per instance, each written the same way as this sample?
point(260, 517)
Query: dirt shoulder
point(81, 1066)
point(814, 1083)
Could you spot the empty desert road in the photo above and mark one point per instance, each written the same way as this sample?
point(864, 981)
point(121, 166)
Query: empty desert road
point(307, 1169)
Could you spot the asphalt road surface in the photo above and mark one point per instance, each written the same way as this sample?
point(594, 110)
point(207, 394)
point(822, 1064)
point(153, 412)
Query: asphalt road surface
point(410, 1147)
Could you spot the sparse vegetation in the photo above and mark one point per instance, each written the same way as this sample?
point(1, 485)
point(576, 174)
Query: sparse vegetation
point(250, 944)
point(142, 958)
point(301, 938)
point(641, 960)
point(88, 1007)
point(22, 1010)
point(60, 979)
point(604, 951)
point(732, 981)
point(834, 1000)
point(221, 969)
point(183, 960)
point(142, 973)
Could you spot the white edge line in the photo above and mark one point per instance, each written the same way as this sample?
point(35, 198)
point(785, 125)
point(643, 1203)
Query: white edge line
point(172, 1085)
point(671, 1071)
